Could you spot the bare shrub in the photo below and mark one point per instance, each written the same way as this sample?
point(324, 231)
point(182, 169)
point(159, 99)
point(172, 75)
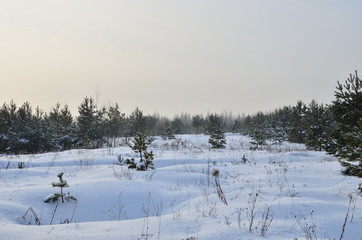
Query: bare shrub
point(190, 238)
point(51, 164)
point(30, 217)
point(122, 173)
point(146, 211)
point(211, 211)
point(266, 220)
point(149, 175)
point(308, 227)
point(85, 159)
point(251, 209)
point(117, 211)
point(177, 215)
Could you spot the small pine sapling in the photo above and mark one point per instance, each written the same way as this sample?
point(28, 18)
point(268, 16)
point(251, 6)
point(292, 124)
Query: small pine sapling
point(21, 165)
point(244, 159)
point(61, 184)
point(145, 158)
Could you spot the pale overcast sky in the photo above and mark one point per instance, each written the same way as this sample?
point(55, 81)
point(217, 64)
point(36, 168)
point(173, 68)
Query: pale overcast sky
point(172, 56)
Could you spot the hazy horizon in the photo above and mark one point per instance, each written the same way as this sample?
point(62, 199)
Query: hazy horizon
point(177, 56)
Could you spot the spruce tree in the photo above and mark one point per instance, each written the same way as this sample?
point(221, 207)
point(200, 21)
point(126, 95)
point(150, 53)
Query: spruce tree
point(216, 132)
point(347, 136)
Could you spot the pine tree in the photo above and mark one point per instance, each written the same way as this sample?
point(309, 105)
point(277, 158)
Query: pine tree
point(7, 120)
point(114, 124)
point(62, 127)
point(23, 130)
point(318, 123)
point(347, 136)
point(215, 130)
point(198, 123)
point(237, 126)
point(99, 128)
point(55, 196)
point(259, 138)
point(40, 134)
point(89, 124)
point(296, 126)
point(136, 122)
point(151, 124)
point(276, 130)
point(168, 132)
point(145, 158)
point(69, 138)
point(258, 130)
point(247, 125)
point(177, 126)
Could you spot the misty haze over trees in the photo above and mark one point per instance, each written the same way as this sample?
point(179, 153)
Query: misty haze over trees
point(335, 128)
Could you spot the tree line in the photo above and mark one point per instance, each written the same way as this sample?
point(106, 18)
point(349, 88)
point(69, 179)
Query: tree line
point(25, 129)
point(335, 128)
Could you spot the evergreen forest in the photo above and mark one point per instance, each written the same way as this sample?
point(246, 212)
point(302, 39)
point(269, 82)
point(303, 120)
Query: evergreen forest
point(335, 128)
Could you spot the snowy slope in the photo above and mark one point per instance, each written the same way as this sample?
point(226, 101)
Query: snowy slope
point(304, 191)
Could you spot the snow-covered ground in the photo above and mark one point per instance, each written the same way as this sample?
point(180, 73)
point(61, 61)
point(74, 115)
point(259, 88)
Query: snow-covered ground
point(303, 190)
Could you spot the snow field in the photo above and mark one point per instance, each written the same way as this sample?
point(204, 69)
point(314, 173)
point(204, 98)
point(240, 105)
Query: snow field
point(304, 191)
